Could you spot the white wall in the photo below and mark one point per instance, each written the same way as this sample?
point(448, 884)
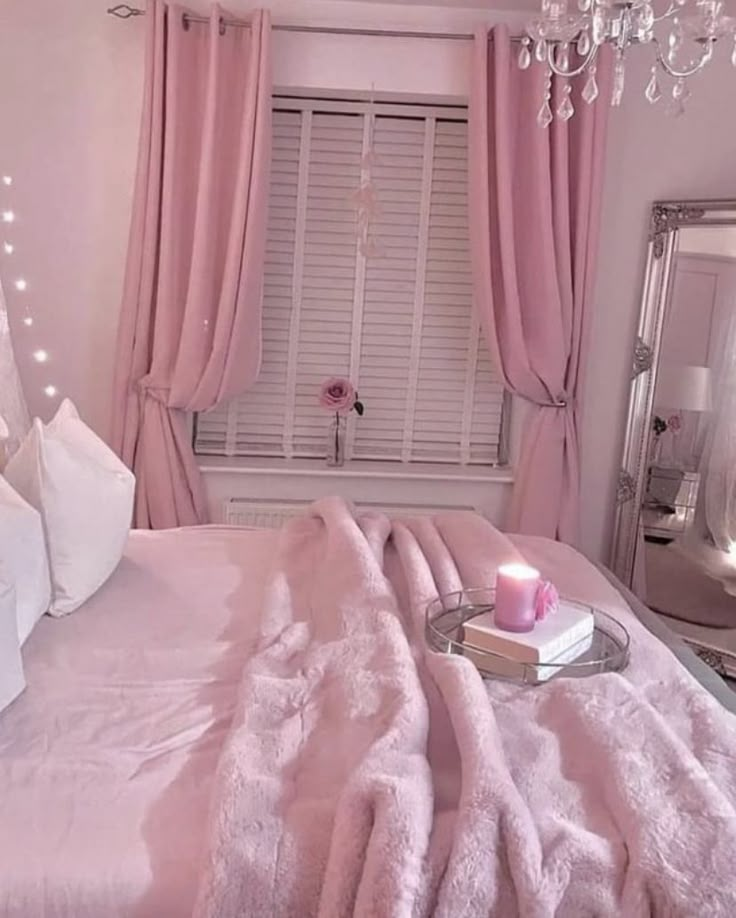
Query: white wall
point(70, 85)
point(650, 157)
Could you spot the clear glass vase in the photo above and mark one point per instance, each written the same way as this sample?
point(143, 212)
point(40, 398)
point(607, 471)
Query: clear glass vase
point(336, 442)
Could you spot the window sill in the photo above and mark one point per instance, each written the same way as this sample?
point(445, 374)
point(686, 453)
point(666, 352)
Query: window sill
point(419, 471)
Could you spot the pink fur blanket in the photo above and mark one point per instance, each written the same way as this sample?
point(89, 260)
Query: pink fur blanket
point(365, 775)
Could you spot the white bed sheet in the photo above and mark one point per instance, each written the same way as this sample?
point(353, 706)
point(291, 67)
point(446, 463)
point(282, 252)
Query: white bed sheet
point(106, 760)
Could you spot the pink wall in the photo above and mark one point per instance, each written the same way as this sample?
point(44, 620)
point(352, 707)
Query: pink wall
point(69, 107)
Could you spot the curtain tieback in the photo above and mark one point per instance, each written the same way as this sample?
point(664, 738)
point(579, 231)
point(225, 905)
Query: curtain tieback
point(147, 388)
point(560, 401)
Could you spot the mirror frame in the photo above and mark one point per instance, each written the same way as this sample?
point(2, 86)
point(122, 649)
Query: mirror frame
point(666, 221)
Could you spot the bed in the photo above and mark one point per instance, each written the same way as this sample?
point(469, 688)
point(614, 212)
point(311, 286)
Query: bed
point(117, 735)
point(246, 723)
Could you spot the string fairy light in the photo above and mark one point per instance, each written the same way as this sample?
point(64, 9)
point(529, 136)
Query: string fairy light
point(40, 355)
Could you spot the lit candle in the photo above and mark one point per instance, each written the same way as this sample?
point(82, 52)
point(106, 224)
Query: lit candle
point(516, 594)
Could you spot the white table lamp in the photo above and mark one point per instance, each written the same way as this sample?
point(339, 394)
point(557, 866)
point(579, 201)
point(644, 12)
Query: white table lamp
point(681, 387)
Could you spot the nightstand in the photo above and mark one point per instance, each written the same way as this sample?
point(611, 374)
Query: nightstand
point(669, 502)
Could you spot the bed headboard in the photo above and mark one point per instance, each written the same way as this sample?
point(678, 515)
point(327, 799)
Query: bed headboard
point(13, 408)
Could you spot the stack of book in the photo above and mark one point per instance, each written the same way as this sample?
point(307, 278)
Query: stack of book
point(563, 637)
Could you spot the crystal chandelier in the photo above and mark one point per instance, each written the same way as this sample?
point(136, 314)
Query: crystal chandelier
point(567, 43)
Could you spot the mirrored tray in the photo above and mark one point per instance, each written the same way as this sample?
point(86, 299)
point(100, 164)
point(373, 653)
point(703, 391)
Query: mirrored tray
point(446, 615)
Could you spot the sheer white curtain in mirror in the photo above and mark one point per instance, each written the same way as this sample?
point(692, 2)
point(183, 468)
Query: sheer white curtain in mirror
point(718, 465)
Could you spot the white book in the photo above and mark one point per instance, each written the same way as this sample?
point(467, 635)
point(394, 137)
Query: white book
point(550, 637)
point(530, 672)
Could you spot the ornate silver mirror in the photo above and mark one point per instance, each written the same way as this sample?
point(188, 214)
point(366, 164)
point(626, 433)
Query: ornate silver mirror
point(678, 477)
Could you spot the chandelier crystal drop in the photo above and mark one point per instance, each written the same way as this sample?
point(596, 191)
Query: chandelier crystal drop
point(566, 38)
point(566, 109)
point(525, 55)
point(545, 116)
point(653, 91)
point(590, 90)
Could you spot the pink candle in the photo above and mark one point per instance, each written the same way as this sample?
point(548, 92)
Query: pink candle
point(516, 594)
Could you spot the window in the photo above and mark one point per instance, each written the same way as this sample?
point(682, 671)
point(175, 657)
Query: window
point(398, 323)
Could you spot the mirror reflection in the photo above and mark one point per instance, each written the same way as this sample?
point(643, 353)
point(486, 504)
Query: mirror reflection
point(688, 518)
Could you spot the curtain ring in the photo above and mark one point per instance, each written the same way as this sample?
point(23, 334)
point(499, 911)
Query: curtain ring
point(185, 22)
point(222, 25)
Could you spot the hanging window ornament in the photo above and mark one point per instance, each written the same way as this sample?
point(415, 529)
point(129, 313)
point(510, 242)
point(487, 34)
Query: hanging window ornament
point(365, 198)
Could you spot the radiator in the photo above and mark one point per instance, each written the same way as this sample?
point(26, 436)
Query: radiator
point(261, 514)
point(271, 514)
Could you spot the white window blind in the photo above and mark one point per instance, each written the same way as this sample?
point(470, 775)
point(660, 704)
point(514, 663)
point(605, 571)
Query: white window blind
point(399, 323)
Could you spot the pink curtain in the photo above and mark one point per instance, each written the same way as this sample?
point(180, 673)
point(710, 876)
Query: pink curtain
point(190, 328)
point(535, 211)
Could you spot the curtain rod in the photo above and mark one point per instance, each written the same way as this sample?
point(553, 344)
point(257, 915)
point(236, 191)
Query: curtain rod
point(123, 11)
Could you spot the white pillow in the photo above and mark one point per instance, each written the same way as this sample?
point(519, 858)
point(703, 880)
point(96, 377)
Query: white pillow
point(23, 551)
point(84, 494)
point(12, 680)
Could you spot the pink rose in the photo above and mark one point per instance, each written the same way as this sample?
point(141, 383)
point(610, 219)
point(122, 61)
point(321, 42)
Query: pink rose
point(674, 422)
point(547, 600)
point(337, 394)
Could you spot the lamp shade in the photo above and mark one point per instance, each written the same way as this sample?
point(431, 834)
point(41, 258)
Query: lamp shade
point(683, 388)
